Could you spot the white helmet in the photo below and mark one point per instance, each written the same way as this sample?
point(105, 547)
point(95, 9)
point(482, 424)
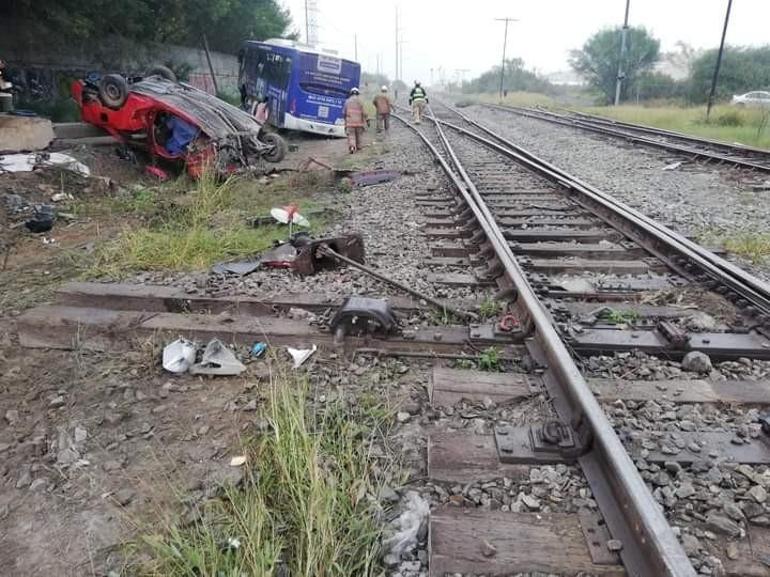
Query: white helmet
point(416, 82)
point(354, 90)
point(384, 88)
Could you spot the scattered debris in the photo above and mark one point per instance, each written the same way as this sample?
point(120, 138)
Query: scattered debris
point(289, 215)
point(299, 356)
point(238, 461)
point(258, 349)
point(673, 166)
point(363, 316)
point(409, 526)
point(217, 359)
point(31, 161)
point(179, 356)
point(42, 221)
point(240, 268)
point(330, 252)
point(158, 173)
point(370, 177)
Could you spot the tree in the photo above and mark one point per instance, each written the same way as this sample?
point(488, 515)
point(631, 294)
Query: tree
point(743, 70)
point(598, 60)
point(226, 22)
point(517, 78)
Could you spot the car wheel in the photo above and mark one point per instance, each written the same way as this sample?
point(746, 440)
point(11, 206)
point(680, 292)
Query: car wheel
point(278, 152)
point(113, 91)
point(163, 72)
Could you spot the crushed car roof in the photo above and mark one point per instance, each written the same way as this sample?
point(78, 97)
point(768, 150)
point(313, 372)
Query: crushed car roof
point(216, 118)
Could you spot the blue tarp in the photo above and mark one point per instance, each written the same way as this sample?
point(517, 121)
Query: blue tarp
point(182, 134)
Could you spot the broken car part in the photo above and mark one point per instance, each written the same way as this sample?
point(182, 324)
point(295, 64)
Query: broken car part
point(328, 251)
point(363, 316)
point(299, 356)
point(179, 356)
point(217, 359)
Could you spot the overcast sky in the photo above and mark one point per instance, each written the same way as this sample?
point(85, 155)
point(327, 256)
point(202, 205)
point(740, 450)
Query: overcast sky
point(465, 35)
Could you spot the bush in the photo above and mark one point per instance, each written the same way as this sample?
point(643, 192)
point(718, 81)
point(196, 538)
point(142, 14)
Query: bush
point(730, 118)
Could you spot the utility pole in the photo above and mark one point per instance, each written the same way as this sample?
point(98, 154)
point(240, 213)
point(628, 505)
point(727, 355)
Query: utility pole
point(307, 23)
point(397, 44)
point(355, 46)
point(505, 45)
point(621, 74)
point(719, 62)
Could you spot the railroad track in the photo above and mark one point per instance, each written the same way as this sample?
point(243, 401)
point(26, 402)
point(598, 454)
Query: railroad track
point(690, 147)
point(572, 261)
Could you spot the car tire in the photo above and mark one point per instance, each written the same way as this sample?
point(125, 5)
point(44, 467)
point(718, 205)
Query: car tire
point(164, 72)
point(113, 91)
point(278, 153)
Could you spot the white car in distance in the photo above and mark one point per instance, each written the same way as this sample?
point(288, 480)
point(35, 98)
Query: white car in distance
point(756, 98)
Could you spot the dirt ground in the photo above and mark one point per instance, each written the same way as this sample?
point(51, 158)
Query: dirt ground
point(95, 446)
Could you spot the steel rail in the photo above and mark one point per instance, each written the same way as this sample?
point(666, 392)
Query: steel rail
point(749, 287)
point(601, 129)
point(697, 140)
point(650, 548)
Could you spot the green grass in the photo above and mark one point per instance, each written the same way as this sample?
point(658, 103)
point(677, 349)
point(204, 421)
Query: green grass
point(193, 230)
point(489, 308)
point(754, 247)
point(307, 502)
point(747, 126)
point(517, 99)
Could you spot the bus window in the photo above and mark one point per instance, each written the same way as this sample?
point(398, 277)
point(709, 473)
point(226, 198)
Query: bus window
point(323, 89)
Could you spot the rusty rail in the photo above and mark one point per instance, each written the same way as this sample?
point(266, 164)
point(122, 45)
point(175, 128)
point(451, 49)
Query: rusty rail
point(650, 547)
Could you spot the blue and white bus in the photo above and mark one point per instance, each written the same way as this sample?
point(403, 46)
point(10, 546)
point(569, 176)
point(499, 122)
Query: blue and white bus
point(305, 87)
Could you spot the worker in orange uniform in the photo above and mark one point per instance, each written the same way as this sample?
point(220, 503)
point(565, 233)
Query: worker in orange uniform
point(355, 120)
point(383, 106)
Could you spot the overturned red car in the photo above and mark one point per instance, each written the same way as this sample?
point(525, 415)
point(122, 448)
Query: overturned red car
point(177, 122)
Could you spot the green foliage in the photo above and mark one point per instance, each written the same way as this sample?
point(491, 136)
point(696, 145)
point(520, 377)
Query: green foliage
point(657, 86)
point(306, 508)
point(729, 118)
point(489, 360)
point(489, 308)
point(616, 317)
point(598, 60)
point(195, 230)
point(517, 78)
point(226, 22)
point(466, 364)
point(743, 69)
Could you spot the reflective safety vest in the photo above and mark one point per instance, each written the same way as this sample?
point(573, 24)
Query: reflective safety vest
point(418, 93)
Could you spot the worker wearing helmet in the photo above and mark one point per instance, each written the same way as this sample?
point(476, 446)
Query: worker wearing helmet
point(383, 107)
point(418, 98)
point(355, 120)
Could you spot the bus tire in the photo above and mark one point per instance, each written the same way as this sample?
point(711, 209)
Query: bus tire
point(279, 147)
point(113, 91)
point(163, 71)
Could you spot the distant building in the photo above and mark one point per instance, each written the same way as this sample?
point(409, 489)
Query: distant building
point(565, 78)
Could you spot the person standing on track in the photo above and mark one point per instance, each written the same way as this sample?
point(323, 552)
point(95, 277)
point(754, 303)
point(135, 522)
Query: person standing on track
point(418, 98)
point(383, 106)
point(355, 120)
